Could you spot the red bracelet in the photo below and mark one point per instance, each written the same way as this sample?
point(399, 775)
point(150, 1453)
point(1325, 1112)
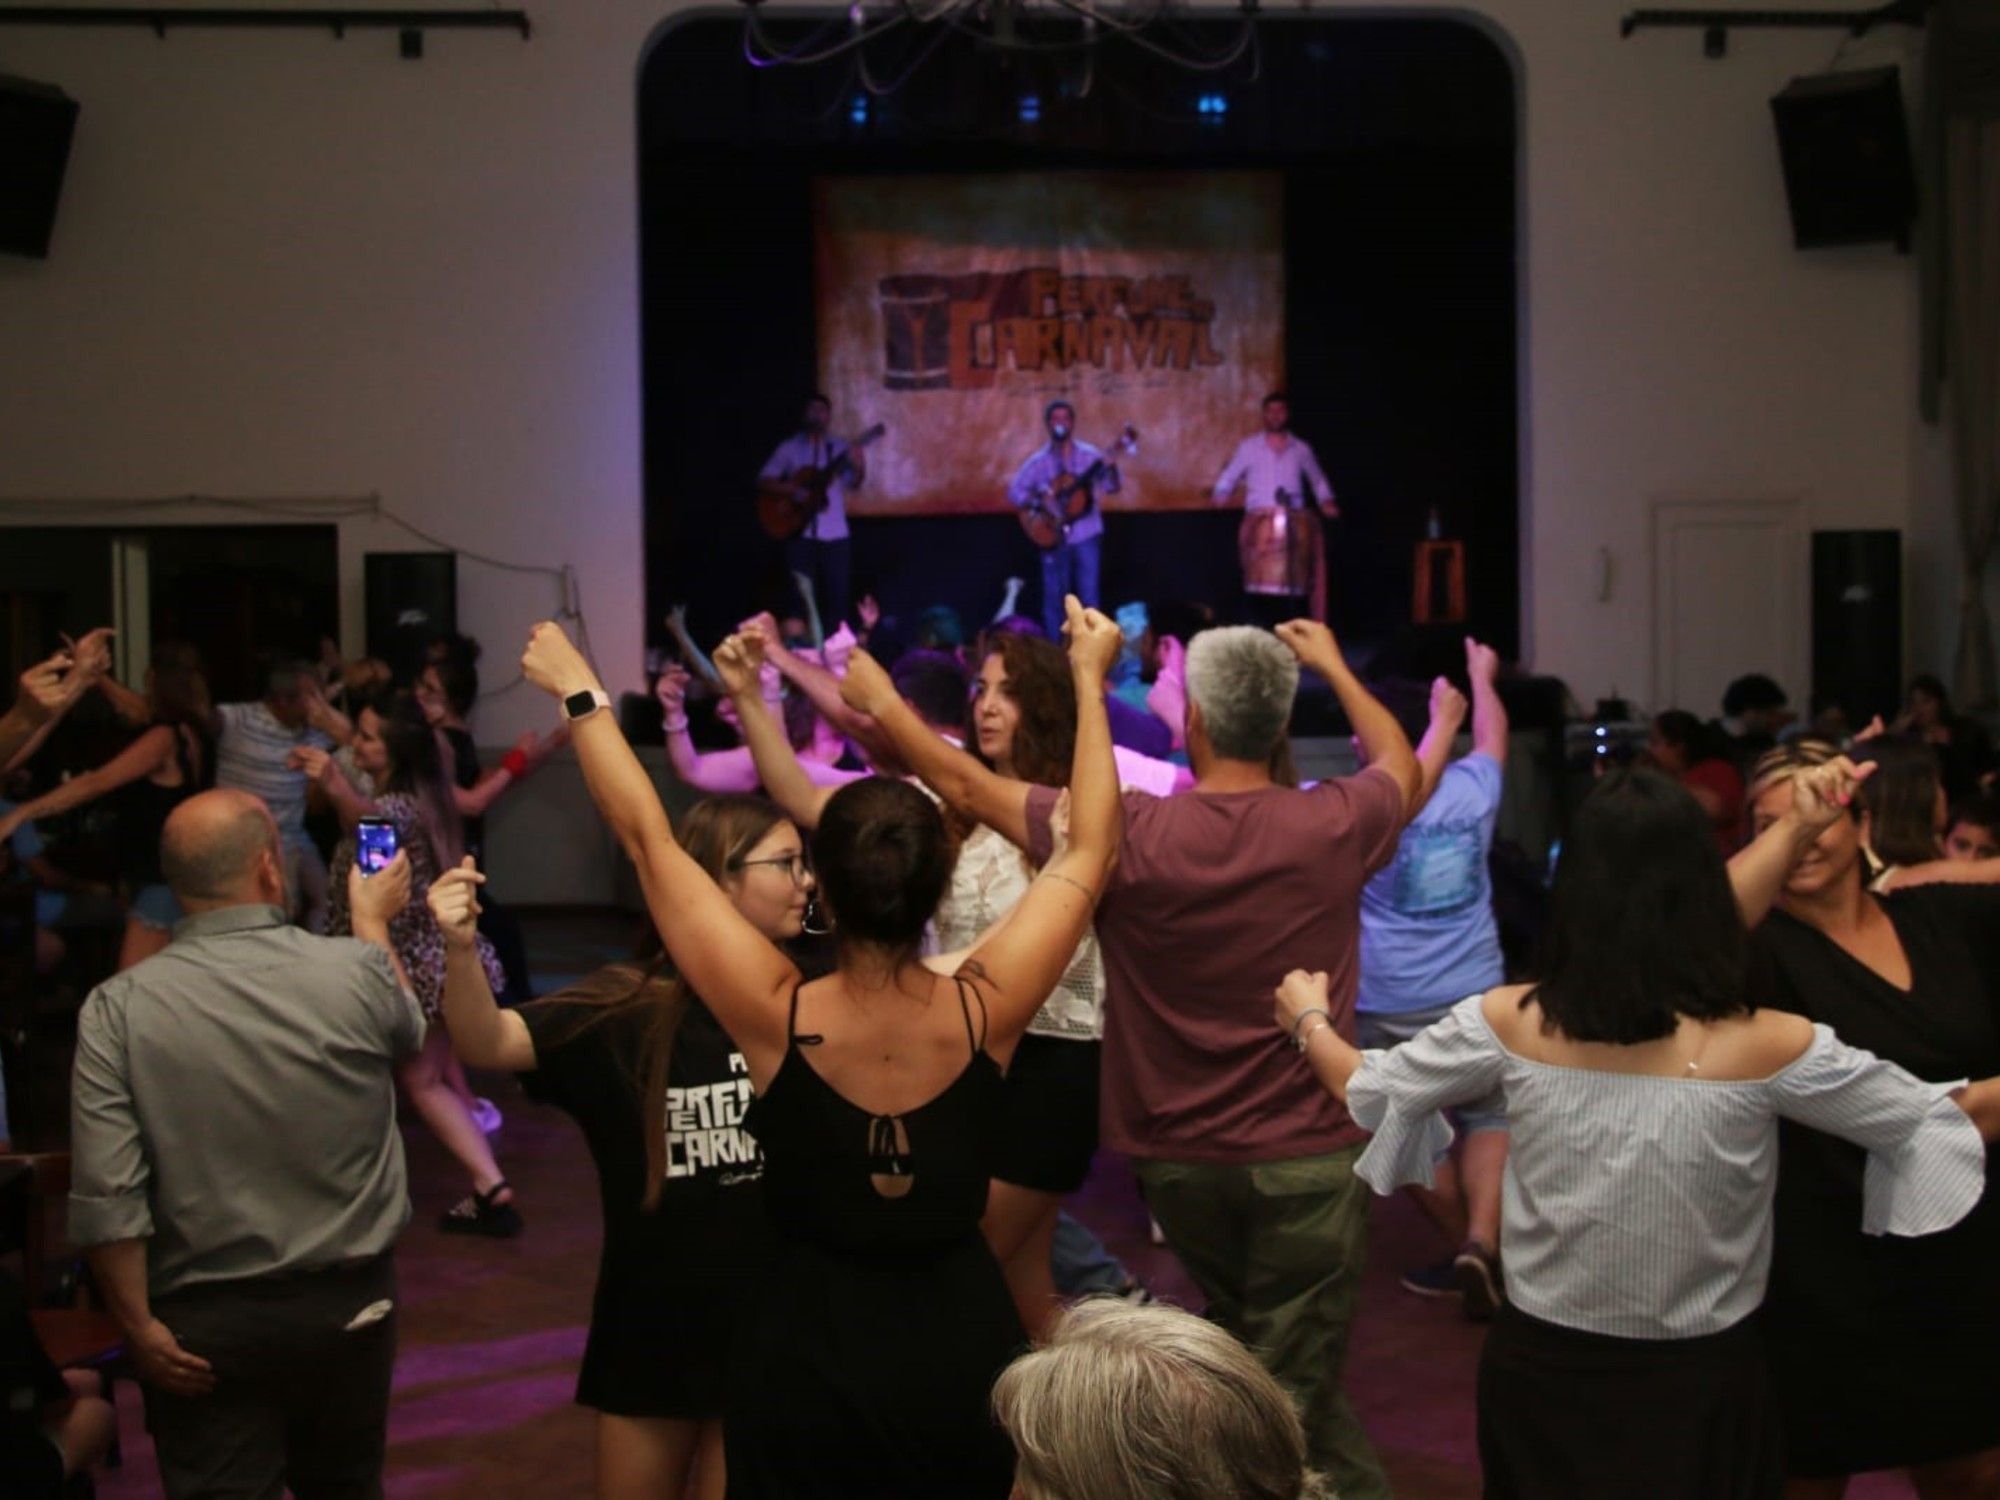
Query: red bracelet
point(515, 764)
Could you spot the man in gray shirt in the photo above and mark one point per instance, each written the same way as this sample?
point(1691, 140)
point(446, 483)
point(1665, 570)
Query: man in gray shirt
point(238, 1179)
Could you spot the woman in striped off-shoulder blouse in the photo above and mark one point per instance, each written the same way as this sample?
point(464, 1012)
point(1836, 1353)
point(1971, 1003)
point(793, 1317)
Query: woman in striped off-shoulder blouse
point(1644, 1090)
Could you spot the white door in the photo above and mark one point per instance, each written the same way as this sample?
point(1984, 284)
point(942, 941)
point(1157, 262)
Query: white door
point(1729, 597)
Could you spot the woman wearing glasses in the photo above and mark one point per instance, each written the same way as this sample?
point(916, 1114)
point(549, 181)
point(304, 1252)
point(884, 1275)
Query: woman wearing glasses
point(636, 1058)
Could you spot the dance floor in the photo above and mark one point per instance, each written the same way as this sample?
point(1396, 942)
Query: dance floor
point(492, 1331)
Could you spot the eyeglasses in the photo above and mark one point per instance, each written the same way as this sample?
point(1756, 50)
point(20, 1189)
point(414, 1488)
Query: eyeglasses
point(797, 866)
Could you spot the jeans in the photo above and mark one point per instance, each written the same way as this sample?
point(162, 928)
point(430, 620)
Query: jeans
point(1082, 1265)
point(830, 566)
point(1069, 568)
point(1277, 1248)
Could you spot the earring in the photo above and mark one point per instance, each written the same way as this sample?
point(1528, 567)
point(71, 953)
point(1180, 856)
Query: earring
point(815, 923)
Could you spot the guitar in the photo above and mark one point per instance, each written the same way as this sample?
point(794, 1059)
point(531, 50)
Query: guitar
point(784, 515)
point(1054, 508)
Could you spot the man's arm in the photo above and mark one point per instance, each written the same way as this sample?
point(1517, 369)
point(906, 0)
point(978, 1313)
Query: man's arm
point(1489, 714)
point(324, 717)
point(1231, 476)
point(1381, 737)
point(1440, 735)
point(1316, 477)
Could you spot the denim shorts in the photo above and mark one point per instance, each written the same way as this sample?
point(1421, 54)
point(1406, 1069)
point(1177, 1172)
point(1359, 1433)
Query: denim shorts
point(1385, 1030)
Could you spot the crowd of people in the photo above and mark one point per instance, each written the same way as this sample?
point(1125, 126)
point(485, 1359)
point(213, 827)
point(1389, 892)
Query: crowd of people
point(954, 914)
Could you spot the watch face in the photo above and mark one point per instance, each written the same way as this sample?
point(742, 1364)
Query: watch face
point(576, 705)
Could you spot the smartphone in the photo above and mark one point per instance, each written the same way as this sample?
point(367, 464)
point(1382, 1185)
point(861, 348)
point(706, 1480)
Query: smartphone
point(374, 844)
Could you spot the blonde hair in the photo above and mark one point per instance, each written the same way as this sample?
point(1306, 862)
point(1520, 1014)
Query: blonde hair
point(1150, 1403)
point(1782, 762)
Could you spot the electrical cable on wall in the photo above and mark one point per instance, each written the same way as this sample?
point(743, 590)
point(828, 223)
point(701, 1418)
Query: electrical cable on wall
point(569, 601)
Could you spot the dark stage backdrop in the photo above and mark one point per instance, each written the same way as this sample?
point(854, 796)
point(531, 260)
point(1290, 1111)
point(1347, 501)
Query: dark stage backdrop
point(1395, 143)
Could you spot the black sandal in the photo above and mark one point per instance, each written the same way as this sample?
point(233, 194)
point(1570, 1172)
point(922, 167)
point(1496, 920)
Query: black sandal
point(479, 1214)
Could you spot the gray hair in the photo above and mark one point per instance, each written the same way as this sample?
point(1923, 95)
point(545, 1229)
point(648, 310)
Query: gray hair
point(1150, 1403)
point(1243, 680)
point(210, 860)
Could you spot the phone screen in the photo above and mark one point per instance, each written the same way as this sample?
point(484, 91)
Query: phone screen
point(375, 844)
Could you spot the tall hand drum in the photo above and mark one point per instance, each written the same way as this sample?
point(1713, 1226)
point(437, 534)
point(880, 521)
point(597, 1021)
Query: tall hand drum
point(1278, 548)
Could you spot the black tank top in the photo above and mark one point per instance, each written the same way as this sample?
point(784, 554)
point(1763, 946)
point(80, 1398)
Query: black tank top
point(837, 1176)
point(143, 808)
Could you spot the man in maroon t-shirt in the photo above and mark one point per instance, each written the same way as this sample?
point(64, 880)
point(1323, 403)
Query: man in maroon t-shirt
point(1248, 1163)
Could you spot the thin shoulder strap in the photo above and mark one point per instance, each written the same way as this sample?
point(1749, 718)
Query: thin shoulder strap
point(792, 1020)
point(977, 1038)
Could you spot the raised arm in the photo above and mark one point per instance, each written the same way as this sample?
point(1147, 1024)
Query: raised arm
point(821, 687)
point(48, 690)
point(1820, 795)
point(482, 1034)
point(964, 785)
point(529, 751)
point(1489, 714)
point(1434, 750)
point(142, 757)
point(1019, 962)
point(786, 780)
point(734, 968)
point(324, 772)
point(1375, 727)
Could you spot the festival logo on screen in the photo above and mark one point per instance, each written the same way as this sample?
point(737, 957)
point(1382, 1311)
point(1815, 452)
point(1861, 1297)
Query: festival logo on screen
point(959, 332)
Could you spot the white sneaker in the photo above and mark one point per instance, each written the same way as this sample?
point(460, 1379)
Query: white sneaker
point(486, 1115)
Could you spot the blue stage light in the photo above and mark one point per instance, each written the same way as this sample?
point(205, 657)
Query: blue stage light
point(1214, 106)
point(857, 112)
point(1031, 108)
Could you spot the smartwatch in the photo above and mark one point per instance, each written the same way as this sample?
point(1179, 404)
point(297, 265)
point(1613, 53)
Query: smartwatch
point(582, 705)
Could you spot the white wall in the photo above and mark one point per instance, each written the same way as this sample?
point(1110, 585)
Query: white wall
point(287, 265)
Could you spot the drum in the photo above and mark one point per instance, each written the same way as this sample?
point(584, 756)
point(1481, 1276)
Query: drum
point(1277, 547)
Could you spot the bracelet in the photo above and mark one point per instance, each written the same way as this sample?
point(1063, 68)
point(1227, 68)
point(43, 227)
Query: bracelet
point(1302, 1039)
point(1058, 875)
point(1300, 1019)
point(676, 726)
point(515, 763)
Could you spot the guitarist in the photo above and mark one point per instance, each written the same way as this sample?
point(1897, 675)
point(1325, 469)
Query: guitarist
point(821, 550)
point(1072, 565)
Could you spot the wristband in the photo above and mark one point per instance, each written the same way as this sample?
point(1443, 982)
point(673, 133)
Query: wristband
point(676, 726)
point(515, 763)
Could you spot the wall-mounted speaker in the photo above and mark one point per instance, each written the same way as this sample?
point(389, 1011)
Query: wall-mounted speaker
point(1857, 621)
point(1845, 146)
point(37, 122)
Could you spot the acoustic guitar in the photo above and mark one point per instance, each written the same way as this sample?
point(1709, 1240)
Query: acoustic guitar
point(1054, 508)
point(784, 515)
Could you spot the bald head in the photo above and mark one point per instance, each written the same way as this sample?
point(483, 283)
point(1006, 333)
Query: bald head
point(219, 849)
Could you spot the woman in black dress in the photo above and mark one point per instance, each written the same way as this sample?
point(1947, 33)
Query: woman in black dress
point(1883, 1347)
point(659, 1089)
point(869, 1357)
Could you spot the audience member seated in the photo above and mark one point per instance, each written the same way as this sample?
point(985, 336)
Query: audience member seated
point(1693, 754)
point(1150, 1403)
point(238, 1180)
point(1429, 939)
point(1964, 750)
point(1628, 1358)
point(54, 1426)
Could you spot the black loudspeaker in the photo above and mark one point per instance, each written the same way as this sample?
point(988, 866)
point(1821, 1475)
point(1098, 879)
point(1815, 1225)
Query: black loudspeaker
point(1857, 621)
point(37, 121)
point(1845, 146)
point(412, 600)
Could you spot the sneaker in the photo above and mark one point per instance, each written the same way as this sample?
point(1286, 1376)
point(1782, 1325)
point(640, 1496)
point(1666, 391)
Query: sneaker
point(1478, 1273)
point(1437, 1280)
point(486, 1115)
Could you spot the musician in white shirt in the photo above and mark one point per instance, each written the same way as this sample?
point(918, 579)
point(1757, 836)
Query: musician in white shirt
point(1274, 468)
point(821, 550)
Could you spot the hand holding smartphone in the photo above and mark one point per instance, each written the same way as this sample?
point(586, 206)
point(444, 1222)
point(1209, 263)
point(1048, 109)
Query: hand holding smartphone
point(374, 844)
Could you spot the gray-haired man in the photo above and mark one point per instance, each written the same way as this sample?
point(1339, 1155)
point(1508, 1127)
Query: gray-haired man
point(238, 1179)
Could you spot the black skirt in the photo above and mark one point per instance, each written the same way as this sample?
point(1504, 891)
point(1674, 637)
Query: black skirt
point(1563, 1413)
